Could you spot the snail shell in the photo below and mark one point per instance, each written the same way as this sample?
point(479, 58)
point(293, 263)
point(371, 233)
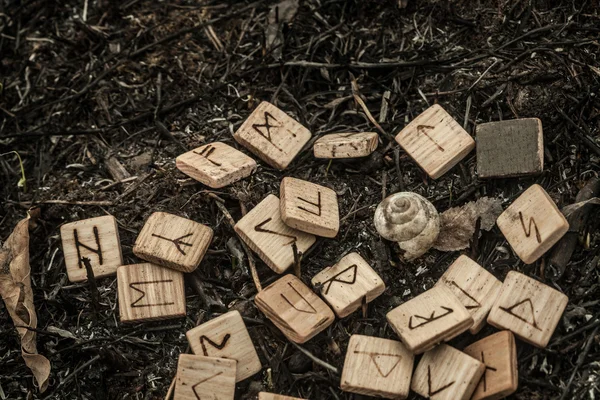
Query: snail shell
point(409, 219)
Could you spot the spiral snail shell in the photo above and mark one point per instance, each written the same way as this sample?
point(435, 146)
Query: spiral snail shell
point(409, 219)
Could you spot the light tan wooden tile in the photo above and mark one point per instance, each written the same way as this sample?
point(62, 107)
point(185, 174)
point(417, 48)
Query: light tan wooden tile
point(532, 224)
point(499, 354)
point(272, 135)
point(528, 308)
point(377, 367)
point(435, 141)
point(272, 396)
point(94, 238)
point(345, 284)
point(200, 377)
point(216, 164)
point(298, 312)
point(265, 233)
point(475, 287)
point(445, 373)
point(226, 337)
point(346, 145)
point(173, 241)
point(150, 292)
point(309, 207)
point(432, 317)
point(510, 148)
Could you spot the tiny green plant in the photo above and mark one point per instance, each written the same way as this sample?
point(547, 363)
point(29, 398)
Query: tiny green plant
point(23, 181)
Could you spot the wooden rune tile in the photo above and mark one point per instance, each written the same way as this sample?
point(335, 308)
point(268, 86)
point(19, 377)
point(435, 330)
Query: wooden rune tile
point(528, 308)
point(173, 241)
point(226, 337)
point(510, 148)
point(272, 396)
point(475, 287)
point(345, 284)
point(435, 141)
point(96, 239)
point(272, 135)
point(445, 373)
point(265, 233)
point(309, 207)
point(432, 317)
point(346, 145)
point(200, 377)
point(216, 165)
point(532, 224)
point(150, 292)
point(377, 367)
point(499, 354)
point(298, 312)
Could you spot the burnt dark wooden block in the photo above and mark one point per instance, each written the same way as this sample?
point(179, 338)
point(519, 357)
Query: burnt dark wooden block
point(510, 148)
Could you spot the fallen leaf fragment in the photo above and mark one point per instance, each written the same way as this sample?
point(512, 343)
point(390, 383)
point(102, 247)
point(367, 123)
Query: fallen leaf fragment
point(15, 289)
point(457, 224)
point(280, 14)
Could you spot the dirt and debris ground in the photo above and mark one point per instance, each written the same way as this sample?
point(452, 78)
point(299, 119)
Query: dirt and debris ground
point(97, 92)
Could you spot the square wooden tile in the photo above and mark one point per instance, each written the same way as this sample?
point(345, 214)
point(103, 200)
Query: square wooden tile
point(94, 238)
point(298, 312)
point(532, 224)
point(346, 145)
point(475, 287)
point(200, 377)
point(528, 308)
point(273, 396)
point(445, 373)
point(435, 141)
point(265, 233)
point(173, 241)
point(226, 337)
point(345, 284)
point(272, 135)
point(510, 148)
point(216, 165)
point(377, 367)
point(432, 317)
point(309, 207)
point(150, 292)
point(499, 354)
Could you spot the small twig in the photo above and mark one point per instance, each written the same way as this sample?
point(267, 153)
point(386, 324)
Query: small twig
point(94, 294)
point(580, 361)
point(315, 359)
point(365, 306)
point(219, 202)
point(297, 260)
point(171, 389)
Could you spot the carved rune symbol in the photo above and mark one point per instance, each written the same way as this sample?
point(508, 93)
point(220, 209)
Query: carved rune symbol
point(528, 231)
point(337, 278)
point(201, 382)
point(207, 151)
point(97, 250)
point(177, 242)
point(423, 129)
point(267, 125)
point(483, 377)
point(306, 310)
point(525, 313)
point(438, 390)
point(427, 320)
point(467, 306)
point(259, 228)
point(378, 358)
point(317, 204)
point(135, 303)
point(218, 346)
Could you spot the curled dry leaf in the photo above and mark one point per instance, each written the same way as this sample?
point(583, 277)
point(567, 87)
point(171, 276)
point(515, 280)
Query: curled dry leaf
point(280, 14)
point(457, 224)
point(15, 289)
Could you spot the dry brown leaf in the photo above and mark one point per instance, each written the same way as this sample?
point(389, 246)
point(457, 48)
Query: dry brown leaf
point(457, 224)
point(280, 14)
point(15, 289)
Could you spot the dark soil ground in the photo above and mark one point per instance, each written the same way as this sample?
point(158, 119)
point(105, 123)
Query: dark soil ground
point(88, 86)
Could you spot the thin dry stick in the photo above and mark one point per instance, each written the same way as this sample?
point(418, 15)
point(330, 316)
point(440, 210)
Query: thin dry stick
point(220, 203)
point(171, 389)
point(297, 260)
point(315, 359)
